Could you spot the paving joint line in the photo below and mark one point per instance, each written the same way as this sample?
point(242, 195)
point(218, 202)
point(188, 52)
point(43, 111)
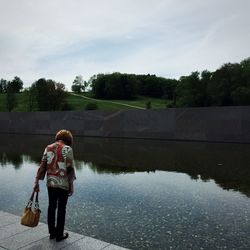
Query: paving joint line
point(83, 236)
point(32, 242)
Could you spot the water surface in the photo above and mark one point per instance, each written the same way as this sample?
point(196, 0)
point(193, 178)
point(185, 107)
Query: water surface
point(142, 194)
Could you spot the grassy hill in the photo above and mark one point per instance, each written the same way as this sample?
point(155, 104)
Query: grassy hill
point(79, 102)
point(21, 99)
point(2, 102)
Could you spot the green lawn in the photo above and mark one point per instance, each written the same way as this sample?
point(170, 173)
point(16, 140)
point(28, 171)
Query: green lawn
point(21, 100)
point(141, 101)
point(3, 102)
point(22, 104)
point(78, 103)
point(156, 103)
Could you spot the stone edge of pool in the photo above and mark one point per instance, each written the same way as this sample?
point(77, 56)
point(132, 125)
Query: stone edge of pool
point(15, 236)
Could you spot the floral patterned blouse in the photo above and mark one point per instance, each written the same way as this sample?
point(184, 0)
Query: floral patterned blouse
point(57, 161)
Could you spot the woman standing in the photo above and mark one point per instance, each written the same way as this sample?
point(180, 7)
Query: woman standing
point(57, 161)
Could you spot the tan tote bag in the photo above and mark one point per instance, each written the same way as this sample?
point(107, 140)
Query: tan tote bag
point(31, 215)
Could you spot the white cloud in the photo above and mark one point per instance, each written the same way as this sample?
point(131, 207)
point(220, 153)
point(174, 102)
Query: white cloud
point(60, 39)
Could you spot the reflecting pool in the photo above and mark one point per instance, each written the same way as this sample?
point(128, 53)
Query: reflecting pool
point(142, 194)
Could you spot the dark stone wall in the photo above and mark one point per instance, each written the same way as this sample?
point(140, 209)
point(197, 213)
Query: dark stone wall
point(212, 124)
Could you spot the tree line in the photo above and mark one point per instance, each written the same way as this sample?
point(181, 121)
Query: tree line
point(228, 85)
point(129, 86)
point(43, 95)
point(11, 88)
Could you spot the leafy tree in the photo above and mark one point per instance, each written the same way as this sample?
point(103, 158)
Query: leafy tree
point(127, 86)
point(190, 91)
point(241, 96)
point(224, 81)
point(3, 86)
point(33, 94)
point(78, 85)
point(206, 77)
point(85, 85)
point(113, 86)
point(10, 101)
point(169, 89)
point(150, 85)
point(241, 93)
point(12, 88)
point(48, 95)
point(98, 86)
point(91, 80)
point(245, 72)
point(15, 85)
point(30, 96)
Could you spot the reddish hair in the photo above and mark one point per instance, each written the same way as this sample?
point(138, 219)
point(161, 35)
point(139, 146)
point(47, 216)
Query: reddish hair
point(65, 136)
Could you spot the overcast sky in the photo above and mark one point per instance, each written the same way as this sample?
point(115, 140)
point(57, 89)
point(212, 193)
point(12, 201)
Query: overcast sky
point(59, 39)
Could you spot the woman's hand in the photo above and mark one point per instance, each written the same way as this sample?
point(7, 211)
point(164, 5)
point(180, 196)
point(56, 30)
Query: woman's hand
point(71, 189)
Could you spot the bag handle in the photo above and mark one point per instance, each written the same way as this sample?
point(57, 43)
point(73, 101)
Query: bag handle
point(30, 202)
point(36, 206)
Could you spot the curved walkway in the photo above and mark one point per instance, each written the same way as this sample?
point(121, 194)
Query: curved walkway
point(117, 103)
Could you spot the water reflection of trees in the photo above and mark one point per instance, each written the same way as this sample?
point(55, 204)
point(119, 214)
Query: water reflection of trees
point(226, 164)
point(14, 159)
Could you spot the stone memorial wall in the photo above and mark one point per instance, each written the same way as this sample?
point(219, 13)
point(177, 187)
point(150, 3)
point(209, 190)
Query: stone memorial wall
point(212, 124)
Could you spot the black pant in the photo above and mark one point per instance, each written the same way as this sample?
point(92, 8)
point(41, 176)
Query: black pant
point(57, 200)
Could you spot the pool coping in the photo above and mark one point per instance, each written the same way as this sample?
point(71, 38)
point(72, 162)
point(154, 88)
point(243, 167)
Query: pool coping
point(14, 236)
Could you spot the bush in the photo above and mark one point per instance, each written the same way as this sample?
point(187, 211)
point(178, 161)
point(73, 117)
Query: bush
point(148, 105)
point(91, 106)
point(170, 104)
point(66, 106)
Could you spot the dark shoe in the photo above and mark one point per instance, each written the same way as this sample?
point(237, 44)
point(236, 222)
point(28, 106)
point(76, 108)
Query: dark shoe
point(63, 237)
point(52, 236)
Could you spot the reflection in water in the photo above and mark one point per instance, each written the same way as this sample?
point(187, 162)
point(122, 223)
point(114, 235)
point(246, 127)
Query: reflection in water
point(226, 164)
point(142, 194)
point(14, 159)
